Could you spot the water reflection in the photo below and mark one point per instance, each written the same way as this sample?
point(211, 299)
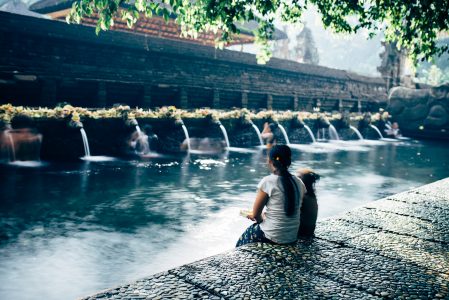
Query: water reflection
point(67, 230)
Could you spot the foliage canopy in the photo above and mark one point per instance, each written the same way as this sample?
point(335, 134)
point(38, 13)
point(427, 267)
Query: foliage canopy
point(412, 24)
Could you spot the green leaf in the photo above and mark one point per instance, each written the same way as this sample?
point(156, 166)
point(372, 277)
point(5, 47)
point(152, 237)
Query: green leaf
point(412, 24)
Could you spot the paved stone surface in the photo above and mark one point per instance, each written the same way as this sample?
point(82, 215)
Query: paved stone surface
point(393, 222)
point(435, 190)
point(420, 210)
point(160, 286)
point(394, 248)
point(433, 256)
point(434, 200)
point(340, 231)
point(244, 274)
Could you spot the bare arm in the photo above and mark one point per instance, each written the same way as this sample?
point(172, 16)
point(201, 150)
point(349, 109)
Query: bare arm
point(265, 128)
point(259, 204)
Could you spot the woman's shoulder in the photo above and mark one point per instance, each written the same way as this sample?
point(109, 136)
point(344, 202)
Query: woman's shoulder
point(299, 181)
point(269, 179)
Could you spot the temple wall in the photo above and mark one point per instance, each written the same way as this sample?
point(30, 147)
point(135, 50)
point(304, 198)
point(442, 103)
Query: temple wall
point(43, 62)
point(421, 113)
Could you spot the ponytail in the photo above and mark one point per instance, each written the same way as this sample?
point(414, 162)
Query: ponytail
point(280, 155)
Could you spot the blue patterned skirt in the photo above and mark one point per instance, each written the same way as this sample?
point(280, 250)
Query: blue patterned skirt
point(253, 234)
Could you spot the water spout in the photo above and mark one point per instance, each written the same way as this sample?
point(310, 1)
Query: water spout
point(333, 134)
point(85, 143)
point(142, 145)
point(225, 134)
point(11, 148)
point(310, 133)
point(186, 134)
point(377, 130)
point(284, 133)
point(357, 132)
point(258, 134)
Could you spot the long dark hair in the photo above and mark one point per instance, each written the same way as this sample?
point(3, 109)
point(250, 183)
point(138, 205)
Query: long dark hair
point(281, 157)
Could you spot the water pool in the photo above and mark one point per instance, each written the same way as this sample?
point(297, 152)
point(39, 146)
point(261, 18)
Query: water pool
point(69, 230)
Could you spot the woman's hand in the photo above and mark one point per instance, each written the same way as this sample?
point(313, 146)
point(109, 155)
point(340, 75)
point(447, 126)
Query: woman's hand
point(251, 217)
point(259, 204)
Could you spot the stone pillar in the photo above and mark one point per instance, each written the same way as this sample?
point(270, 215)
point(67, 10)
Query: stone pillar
point(359, 106)
point(102, 94)
point(318, 103)
point(269, 101)
point(146, 103)
point(340, 105)
point(184, 99)
point(216, 99)
point(295, 103)
point(244, 100)
point(49, 92)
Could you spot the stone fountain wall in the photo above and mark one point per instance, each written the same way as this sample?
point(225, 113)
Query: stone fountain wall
point(421, 113)
point(61, 139)
point(43, 62)
point(111, 136)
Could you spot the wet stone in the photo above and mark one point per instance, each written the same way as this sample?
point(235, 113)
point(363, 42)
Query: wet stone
point(303, 253)
point(339, 231)
point(159, 286)
point(431, 255)
point(256, 274)
point(377, 274)
point(438, 191)
point(415, 196)
point(421, 210)
point(398, 224)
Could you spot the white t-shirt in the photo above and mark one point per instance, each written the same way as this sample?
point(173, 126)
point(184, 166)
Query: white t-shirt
point(276, 225)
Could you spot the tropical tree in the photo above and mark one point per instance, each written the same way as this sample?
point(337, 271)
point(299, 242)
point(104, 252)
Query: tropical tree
point(412, 24)
point(433, 75)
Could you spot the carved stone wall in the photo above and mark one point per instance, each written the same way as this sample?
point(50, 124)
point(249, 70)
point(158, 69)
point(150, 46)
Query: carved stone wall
point(421, 112)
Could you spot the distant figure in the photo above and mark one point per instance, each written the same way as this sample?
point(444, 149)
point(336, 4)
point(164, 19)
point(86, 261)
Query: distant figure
point(392, 130)
point(309, 209)
point(365, 122)
point(281, 195)
point(6, 143)
point(384, 123)
point(143, 142)
point(152, 138)
point(138, 142)
point(25, 139)
point(268, 134)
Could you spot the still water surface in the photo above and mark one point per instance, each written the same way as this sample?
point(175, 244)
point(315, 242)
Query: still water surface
point(69, 230)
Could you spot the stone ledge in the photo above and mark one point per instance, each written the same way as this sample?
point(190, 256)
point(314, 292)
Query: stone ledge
point(394, 248)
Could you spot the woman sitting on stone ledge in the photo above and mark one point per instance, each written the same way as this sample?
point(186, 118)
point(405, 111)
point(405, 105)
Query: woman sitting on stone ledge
point(281, 193)
point(309, 208)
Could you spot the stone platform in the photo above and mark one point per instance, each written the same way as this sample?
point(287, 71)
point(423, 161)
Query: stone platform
point(394, 248)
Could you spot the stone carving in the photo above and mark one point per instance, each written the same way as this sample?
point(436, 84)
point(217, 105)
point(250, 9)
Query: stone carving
point(395, 67)
point(421, 111)
point(390, 65)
